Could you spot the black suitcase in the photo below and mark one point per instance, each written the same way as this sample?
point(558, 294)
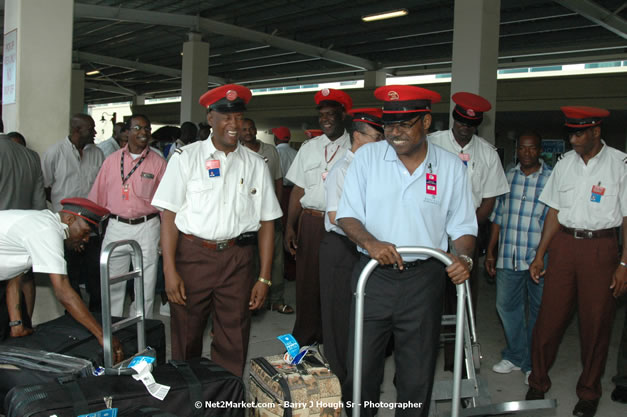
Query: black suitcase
point(67, 336)
point(198, 387)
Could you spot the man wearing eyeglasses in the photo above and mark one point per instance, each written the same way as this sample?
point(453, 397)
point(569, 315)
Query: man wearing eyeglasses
point(70, 168)
point(338, 254)
point(405, 192)
point(125, 185)
point(305, 215)
point(485, 173)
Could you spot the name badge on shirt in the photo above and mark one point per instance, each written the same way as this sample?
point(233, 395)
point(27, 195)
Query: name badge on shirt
point(147, 175)
point(465, 157)
point(432, 184)
point(125, 192)
point(213, 167)
point(597, 192)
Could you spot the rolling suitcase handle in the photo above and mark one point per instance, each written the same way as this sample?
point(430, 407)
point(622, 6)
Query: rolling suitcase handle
point(359, 324)
point(105, 288)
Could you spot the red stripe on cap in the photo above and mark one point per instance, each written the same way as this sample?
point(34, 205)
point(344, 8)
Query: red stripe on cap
point(466, 116)
point(584, 125)
point(367, 121)
point(82, 217)
point(406, 111)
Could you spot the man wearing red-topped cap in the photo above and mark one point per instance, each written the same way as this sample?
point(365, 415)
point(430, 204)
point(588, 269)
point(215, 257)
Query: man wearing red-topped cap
point(338, 254)
point(485, 173)
point(218, 199)
point(33, 238)
point(305, 217)
point(587, 197)
point(404, 191)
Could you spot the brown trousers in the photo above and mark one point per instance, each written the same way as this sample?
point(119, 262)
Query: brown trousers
point(308, 324)
point(579, 274)
point(217, 283)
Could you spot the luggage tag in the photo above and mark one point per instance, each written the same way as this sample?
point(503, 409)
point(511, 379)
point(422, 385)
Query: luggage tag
point(213, 167)
point(597, 192)
point(295, 353)
point(465, 157)
point(159, 391)
point(109, 412)
point(432, 184)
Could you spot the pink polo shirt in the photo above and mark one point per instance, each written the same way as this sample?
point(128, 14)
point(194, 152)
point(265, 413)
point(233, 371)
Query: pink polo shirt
point(142, 184)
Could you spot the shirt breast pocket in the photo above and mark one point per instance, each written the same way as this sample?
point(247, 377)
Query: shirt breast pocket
point(566, 196)
point(609, 197)
point(199, 195)
point(145, 186)
point(313, 174)
point(248, 197)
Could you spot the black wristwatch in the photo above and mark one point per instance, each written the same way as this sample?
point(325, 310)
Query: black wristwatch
point(15, 323)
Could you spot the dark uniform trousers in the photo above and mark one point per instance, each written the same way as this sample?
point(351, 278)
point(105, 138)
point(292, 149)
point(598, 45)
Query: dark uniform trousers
point(579, 275)
point(84, 268)
point(621, 364)
point(217, 283)
point(338, 256)
point(289, 265)
point(408, 305)
point(308, 324)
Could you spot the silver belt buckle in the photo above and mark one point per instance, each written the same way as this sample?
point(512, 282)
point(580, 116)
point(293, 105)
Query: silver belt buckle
point(582, 234)
point(222, 244)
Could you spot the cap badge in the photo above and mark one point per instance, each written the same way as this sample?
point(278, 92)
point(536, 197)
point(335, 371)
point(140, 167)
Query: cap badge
point(325, 92)
point(470, 112)
point(231, 95)
point(393, 95)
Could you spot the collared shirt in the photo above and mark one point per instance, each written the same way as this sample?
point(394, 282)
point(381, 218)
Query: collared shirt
point(109, 146)
point(286, 155)
point(31, 238)
point(313, 161)
point(333, 187)
point(271, 156)
point(570, 190)
point(69, 174)
point(520, 215)
point(223, 206)
point(142, 184)
point(21, 179)
point(397, 207)
point(484, 166)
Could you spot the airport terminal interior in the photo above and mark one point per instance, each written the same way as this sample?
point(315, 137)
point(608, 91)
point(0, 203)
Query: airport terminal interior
point(114, 58)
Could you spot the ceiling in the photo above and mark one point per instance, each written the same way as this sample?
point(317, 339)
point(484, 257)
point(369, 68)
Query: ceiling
point(136, 44)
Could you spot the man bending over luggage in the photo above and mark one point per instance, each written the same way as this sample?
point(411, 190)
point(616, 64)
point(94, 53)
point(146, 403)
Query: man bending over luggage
point(35, 238)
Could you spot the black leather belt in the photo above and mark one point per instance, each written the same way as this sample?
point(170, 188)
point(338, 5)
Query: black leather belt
point(136, 220)
point(588, 234)
point(245, 239)
point(406, 265)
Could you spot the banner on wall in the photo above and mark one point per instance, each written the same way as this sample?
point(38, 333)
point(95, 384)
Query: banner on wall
point(9, 67)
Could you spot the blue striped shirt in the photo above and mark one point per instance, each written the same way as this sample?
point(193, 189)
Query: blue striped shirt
point(520, 215)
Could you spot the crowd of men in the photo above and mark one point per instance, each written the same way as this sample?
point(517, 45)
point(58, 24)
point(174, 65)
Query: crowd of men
point(229, 212)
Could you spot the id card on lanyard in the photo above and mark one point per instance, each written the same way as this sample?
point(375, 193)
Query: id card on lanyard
point(213, 167)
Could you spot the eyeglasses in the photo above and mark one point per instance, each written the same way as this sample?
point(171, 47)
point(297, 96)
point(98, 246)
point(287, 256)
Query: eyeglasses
point(137, 128)
point(404, 126)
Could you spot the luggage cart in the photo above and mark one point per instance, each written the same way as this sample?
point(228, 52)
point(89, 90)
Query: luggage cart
point(475, 394)
point(105, 287)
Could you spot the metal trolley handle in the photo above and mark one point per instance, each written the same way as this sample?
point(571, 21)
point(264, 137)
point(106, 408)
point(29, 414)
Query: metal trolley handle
point(359, 324)
point(105, 287)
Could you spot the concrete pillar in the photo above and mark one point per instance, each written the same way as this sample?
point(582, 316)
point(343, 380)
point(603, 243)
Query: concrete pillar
point(374, 79)
point(194, 79)
point(42, 31)
point(475, 54)
point(77, 98)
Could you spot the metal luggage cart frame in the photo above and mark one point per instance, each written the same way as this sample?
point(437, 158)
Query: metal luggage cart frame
point(465, 341)
point(105, 288)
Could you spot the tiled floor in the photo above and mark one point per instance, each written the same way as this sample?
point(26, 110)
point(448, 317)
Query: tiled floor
point(501, 388)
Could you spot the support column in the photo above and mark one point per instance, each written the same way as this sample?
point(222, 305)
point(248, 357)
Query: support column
point(42, 70)
point(475, 54)
point(374, 79)
point(77, 99)
point(194, 78)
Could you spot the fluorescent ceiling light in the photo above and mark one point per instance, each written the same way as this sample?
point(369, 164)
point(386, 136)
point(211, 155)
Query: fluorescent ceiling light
point(94, 72)
point(385, 15)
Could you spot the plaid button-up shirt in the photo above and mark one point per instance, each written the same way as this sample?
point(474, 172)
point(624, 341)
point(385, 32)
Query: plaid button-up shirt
point(520, 215)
